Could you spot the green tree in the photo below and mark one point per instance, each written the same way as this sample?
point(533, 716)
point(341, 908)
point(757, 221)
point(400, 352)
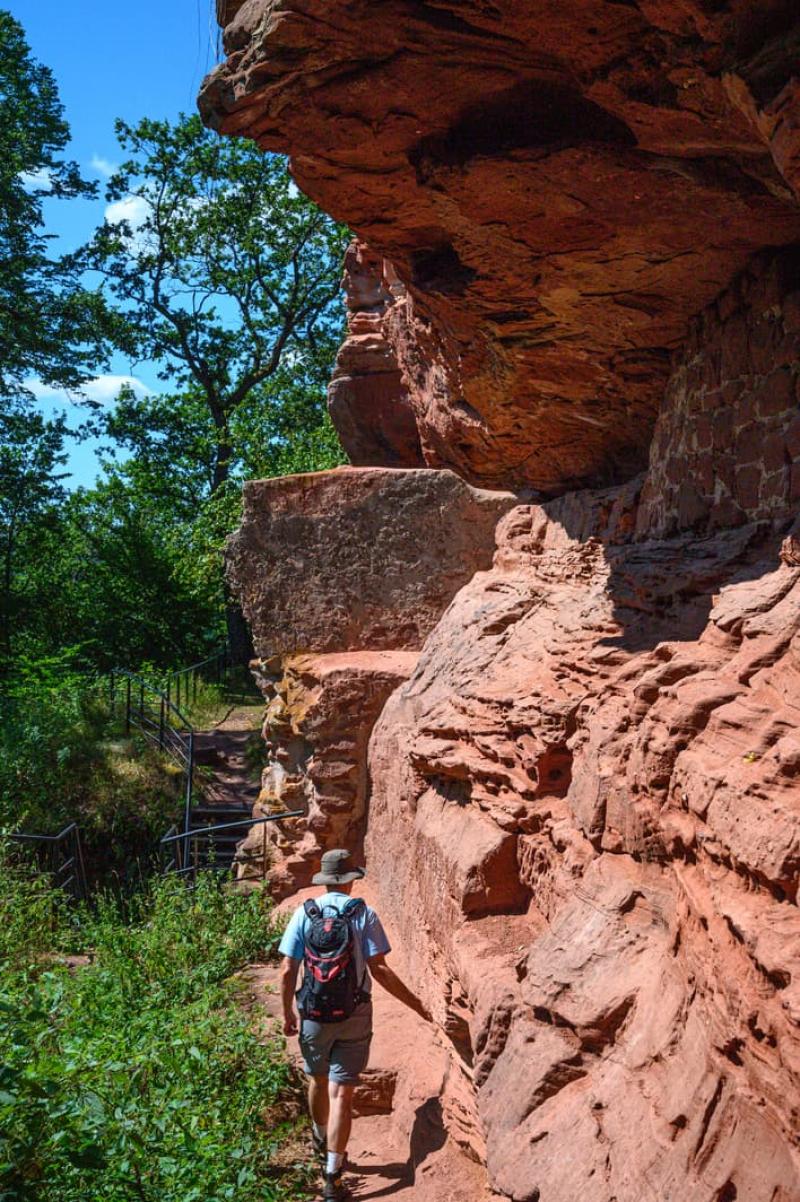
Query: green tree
point(227, 277)
point(51, 326)
point(107, 581)
point(31, 456)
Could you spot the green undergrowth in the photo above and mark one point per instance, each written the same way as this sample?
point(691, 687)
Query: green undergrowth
point(64, 758)
point(131, 1069)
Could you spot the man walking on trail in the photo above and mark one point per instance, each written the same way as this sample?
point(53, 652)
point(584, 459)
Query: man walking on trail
point(341, 944)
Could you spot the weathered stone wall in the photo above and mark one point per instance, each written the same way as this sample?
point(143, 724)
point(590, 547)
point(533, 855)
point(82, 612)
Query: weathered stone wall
point(726, 447)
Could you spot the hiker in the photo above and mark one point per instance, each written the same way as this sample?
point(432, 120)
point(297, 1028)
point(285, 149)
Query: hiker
point(341, 944)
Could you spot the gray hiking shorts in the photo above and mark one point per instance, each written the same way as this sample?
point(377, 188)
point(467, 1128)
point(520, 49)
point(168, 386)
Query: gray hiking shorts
point(337, 1050)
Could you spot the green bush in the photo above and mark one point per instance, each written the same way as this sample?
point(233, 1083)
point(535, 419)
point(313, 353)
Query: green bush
point(63, 758)
point(137, 1074)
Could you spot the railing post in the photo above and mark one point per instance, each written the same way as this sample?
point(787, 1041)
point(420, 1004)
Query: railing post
point(128, 706)
point(169, 687)
point(194, 684)
point(141, 701)
point(161, 723)
point(187, 814)
point(178, 690)
point(82, 883)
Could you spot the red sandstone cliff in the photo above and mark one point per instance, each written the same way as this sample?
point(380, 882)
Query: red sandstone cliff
point(569, 731)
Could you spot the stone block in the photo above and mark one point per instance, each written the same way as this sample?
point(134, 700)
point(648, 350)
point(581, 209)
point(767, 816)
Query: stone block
point(792, 438)
point(357, 558)
point(748, 484)
point(774, 394)
point(794, 483)
point(773, 451)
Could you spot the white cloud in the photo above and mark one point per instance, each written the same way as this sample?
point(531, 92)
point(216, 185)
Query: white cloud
point(103, 166)
point(103, 389)
point(40, 178)
point(133, 209)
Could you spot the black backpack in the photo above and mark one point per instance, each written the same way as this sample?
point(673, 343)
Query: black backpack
point(331, 989)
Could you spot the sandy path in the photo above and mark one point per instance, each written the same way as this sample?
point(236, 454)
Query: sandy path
point(403, 1153)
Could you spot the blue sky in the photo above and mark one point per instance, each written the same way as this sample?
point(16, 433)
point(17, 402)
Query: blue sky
point(113, 58)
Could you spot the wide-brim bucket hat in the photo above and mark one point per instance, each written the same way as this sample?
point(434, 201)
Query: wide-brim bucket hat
point(336, 869)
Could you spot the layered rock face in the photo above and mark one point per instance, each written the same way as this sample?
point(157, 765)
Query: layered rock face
point(368, 396)
point(569, 729)
point(561, 186)
point(585, 816)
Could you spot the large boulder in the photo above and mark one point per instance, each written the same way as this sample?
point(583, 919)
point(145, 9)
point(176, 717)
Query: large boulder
point(357, 558)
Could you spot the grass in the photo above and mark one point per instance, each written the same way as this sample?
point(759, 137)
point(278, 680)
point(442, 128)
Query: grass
point(137, 1074)
point(63, 758)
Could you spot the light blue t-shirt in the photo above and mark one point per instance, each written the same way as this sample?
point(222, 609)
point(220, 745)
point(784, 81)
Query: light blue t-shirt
point(370, 936)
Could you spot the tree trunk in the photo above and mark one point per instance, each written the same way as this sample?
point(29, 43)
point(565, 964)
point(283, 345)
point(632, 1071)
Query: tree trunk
point(240, 641)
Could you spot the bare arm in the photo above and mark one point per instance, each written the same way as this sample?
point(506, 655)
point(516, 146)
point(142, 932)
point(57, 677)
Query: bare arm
point(384, 975)
point(289, 970)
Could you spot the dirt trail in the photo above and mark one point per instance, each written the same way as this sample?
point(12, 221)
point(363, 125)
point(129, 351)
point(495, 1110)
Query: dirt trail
point(403, 1152)
point(222, 749)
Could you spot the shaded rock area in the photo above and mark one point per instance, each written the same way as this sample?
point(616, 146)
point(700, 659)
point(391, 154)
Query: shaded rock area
point(368, 395)
point(567, 729)
point(560, 185)
point(727, 442)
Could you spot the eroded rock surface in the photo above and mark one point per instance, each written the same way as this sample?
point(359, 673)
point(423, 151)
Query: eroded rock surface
point(623, 720)
point(320, 713)
point(368, 395)
point(560, 185)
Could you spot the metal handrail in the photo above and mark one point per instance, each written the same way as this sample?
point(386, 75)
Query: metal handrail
point(146, 685)
point(179, 744)
point(189, 676)
point(70, 838)
point(182, 861)
point(167, 726)
point(226, 826)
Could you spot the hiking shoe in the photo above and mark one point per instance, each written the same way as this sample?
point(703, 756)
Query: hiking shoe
point(320, 1145)
point(334, 1189)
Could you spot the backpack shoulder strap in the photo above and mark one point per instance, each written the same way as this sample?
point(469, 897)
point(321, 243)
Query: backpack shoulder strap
point(353, 908)
point(312, 910)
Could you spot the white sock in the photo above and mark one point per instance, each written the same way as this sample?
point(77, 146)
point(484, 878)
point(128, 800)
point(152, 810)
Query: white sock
point(320, 1132)
point(334, 1162)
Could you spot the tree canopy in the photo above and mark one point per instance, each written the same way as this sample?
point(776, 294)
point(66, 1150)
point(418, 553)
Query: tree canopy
point(223, 273)
point(51, 325)
point(211, 265)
